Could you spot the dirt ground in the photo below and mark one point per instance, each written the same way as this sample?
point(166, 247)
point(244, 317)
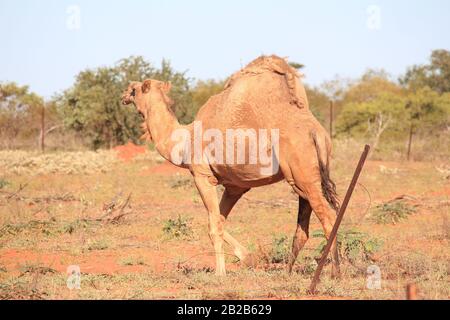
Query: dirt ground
point(138, 230)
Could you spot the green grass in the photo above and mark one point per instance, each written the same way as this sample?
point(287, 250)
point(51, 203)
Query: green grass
point(3, 183)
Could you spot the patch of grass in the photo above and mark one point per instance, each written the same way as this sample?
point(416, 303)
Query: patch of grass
point(180, 182)
point(280, 250)
point(79, 224)
point(392, 212)
point(178, 228)
point(34, 163)
point(98, 245)
point(353, 245)
point(36, 269)
point(20, 291)
point(46, 227)
point(414, 265)
point(307, 265)
point(3, 183)
point(132, 261)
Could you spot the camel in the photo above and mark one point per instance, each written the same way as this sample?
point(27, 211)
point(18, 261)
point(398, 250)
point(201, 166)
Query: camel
point(266, 94)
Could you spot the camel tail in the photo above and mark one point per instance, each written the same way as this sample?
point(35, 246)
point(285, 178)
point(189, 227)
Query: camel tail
point(328, 186)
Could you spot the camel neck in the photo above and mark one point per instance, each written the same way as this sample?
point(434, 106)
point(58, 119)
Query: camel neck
point(161, 123)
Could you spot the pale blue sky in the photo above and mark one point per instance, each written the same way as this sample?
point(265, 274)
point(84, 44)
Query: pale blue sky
point(212, 39)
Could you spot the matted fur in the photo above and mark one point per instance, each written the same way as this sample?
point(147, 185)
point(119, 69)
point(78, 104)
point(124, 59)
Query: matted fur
point(277, 65)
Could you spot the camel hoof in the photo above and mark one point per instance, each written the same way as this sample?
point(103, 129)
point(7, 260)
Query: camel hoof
point(289, 269)
point(220, 273)
point(335, 274)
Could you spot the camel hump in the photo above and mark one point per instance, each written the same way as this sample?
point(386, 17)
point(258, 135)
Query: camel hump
point(277, 65)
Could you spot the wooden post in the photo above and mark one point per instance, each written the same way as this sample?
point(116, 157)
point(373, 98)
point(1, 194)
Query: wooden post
point(411, 291)
point(315, 280)
point(42, 137)
point(331, 119)
point(411, 132)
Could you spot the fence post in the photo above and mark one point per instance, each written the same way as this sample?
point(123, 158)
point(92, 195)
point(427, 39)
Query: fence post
point(408, 155)
point(351, 187)
point(42, 137)
point(411, 291)
point(331, 119)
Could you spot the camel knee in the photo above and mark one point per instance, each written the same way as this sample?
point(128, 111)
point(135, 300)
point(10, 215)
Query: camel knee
point(215, 235)
point(216, 230)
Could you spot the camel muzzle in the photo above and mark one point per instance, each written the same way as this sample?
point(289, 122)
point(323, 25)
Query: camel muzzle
point(126, 100)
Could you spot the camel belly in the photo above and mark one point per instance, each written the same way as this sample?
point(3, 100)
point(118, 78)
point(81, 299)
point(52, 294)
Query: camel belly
point(246, 176)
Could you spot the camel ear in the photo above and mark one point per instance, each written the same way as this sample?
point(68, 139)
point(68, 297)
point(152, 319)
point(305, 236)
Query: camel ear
point(167, 86)
point(146, 85)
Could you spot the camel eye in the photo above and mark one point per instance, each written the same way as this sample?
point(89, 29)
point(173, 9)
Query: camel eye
point(133, 93)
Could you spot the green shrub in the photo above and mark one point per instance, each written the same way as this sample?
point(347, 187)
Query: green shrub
point(353, 245)
point(392, 212)
point(280, 249)
point(178, 228)
point(3, 183)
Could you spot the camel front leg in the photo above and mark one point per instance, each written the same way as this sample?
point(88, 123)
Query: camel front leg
point(208, 194)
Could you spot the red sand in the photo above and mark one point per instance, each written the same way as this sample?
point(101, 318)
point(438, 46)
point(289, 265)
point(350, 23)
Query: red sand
point(128, 151)
point(165, 168)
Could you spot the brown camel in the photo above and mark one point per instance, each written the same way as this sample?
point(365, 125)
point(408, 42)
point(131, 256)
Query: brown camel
point(266, 94)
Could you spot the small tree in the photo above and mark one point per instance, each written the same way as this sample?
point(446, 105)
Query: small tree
point(203, 90)
point(426, 110)
point(435, 75)
point(93, 106)
point(318, 103)
point(20, 112)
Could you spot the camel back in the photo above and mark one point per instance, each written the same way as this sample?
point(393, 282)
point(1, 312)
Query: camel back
point(277, 65)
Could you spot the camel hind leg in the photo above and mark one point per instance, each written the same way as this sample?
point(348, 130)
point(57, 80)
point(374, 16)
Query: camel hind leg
point(305, 178)
point(327, 218)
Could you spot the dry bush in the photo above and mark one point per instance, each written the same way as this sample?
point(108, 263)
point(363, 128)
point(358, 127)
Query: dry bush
point(181, 182)
point(423, 148)
point(345, 149)
point(33, 163)
point(413, 265)
point(149, 156)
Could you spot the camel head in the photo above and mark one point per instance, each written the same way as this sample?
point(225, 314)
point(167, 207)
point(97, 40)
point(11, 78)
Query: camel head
point(146, 94)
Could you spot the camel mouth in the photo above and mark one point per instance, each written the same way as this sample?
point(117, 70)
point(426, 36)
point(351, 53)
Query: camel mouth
point(126, 100)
